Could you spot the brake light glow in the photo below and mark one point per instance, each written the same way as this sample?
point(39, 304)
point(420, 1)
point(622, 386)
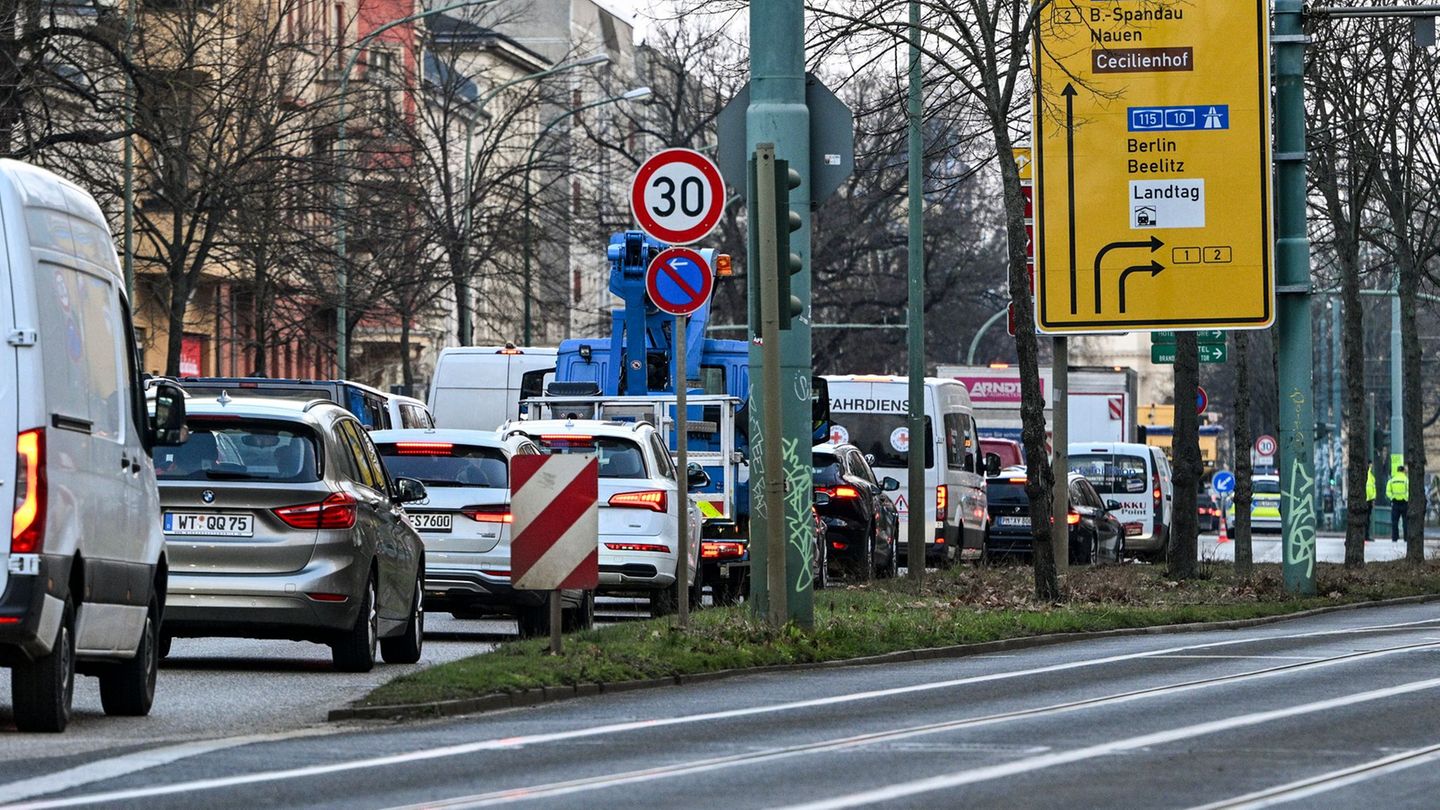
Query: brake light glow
point(328, 597)
point(647, 547)
point(1019, 480)
point(942, 501)
point(652, 499)
point(843, 493)
point(721, 550)
point(1072, 518)
point(839, 546)
point(511, 350)
point(335, 512)
point(27, 524)
point(488, 514)
point(424, 448)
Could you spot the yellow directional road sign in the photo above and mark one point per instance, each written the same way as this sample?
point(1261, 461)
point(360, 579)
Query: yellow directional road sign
point(1152, 162)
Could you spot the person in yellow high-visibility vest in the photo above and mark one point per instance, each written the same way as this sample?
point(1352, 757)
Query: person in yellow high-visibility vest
point(1397, 489)
point(1369, 501)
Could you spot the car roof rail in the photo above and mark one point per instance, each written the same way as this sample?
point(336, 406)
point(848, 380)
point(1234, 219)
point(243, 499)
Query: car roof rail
point(313, 402)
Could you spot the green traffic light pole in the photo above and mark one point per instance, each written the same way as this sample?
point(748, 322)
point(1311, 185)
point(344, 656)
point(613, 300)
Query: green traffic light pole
point(778, 115)
point(479, 104)
point(342, 285)
point(634, 94)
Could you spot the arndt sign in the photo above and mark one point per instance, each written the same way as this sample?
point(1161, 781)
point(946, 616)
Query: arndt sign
point(1152, 164)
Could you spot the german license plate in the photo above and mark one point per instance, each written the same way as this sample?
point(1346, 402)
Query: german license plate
point(1134, 529)
point(432, 521)
point(1014, 521)
point(209, 524)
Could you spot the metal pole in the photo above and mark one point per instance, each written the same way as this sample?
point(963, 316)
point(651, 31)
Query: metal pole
point(682, 476)
point(1397, 383)
point(342, 279)
point(918, 525)
point(1293, 328)
point(1060, 466)
point(778, 115)
point(985, 327)
point(773, 479)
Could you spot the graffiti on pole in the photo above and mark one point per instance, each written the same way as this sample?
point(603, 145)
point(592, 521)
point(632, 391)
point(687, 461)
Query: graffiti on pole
point(797, 512)
point(1300, 505)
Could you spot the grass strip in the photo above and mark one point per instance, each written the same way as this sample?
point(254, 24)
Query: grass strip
point(960, 606)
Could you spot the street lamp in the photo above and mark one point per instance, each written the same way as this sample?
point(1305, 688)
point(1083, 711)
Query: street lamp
point(343, 278)
point(635, 94)
point(593, 59)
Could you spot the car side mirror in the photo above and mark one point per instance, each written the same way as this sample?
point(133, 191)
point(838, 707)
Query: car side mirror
point(410, 490)
point(696, 477)
point(992, 464)
point(889, 484)
point(1112, 505)
point(822, 498)
point(167, 426)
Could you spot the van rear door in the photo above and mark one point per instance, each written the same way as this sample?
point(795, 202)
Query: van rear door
point(1121, 477)
point(9, 390)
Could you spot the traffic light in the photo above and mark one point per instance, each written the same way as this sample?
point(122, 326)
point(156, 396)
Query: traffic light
point(785, 222)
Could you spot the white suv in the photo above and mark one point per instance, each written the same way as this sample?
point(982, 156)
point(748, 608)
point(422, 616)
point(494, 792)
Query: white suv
point(464, 522)
point(639, 523)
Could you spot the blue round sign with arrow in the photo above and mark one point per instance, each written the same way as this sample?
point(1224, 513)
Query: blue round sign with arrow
point(1223, 482)
point(679, 281)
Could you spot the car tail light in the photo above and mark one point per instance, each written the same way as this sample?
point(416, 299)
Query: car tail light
point(328, 597)
point(27, 527)
point(424, 448)
point(843, 493)
point(488, 514)
point(1072, 518)
point(647, 547)
point(652, 499)
point(942, 502)
point(335, 512)
point(711, 550)
point(839, 546)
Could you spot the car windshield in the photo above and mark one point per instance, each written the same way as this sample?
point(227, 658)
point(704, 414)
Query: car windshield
point(619, 458)
point(1267, 486)
point(886, 436)
point(240, 450)
point(442, 464)
point(1005, 491)
point(827, 469)
point(1111, 474)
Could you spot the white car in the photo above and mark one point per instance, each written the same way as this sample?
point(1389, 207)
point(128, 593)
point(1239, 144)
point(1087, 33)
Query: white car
point(464, 522)
point(639, 524)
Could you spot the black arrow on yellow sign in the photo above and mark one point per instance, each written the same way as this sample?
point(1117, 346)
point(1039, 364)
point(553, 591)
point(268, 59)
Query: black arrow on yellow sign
point(1154, 268)
point(1153, 243)
point(1069, 94)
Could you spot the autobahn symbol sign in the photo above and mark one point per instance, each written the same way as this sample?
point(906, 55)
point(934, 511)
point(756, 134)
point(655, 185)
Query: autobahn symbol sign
point(677, 196)
point(556, 522)
point(679, 281)
point(1152, 166)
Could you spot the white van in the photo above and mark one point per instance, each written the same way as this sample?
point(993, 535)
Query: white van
point(870, 413)
point(1137, 477)
point(480, 387)
point(82, 587)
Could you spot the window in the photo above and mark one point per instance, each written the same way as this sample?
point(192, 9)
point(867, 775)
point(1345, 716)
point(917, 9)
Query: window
point(862, 468)
point(619, 458)
point(663, 460)
point(349, 432)
point(1111, 474)
point(448, 466)
point(886, 436)
point(828, 470)
point(246, 451)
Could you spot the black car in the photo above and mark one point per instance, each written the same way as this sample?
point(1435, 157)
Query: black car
point(860, 519)
point(1095, 534)
point(1209, 512)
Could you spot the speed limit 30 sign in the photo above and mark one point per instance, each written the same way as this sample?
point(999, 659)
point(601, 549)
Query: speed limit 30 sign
point(677, 196)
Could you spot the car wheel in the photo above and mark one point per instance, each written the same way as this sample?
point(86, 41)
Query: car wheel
point(43, 690)
point(407, 647)
point(821, 575)
point(165, 642)
point(865, 569)
point(697, 589)
point(580, 617)
point(664, 602)
point(127, 689)
point(355, 650)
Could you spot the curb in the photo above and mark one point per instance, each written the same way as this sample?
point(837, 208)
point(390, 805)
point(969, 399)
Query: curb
point(551, 694)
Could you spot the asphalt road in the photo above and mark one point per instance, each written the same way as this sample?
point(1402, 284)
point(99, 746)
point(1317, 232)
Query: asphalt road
point(1333, 711)
point(1328, 548)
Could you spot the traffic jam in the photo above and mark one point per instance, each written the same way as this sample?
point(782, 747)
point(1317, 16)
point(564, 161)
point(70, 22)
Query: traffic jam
point(330, 512)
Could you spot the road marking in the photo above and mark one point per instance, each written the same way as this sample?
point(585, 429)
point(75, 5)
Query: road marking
point(116, 767)
point(1022, 766)
point(573, 786)
point(423, 755)
point(1249, 657)
point(1326, 782)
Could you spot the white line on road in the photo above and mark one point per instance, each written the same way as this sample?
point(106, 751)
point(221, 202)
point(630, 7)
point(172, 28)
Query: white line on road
point(1326, 782)
point(574, 786)
point(1029, 764)
point(638, 725)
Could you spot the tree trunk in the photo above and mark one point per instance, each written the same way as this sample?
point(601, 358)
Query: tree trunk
point(11, 104)
point(407, 374)
point(1357, 462)
point(465, 330)
point(1240, 532)
point(175, 322)
point(1040, 478)
point(1411, 398)
point(1184, 526)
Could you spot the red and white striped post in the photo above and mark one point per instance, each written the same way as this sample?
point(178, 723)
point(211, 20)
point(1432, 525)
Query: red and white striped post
point(555, 537)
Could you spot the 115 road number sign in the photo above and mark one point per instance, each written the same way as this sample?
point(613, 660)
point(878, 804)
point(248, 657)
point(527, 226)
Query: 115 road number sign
point(1152, 166)
point(677, 196)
